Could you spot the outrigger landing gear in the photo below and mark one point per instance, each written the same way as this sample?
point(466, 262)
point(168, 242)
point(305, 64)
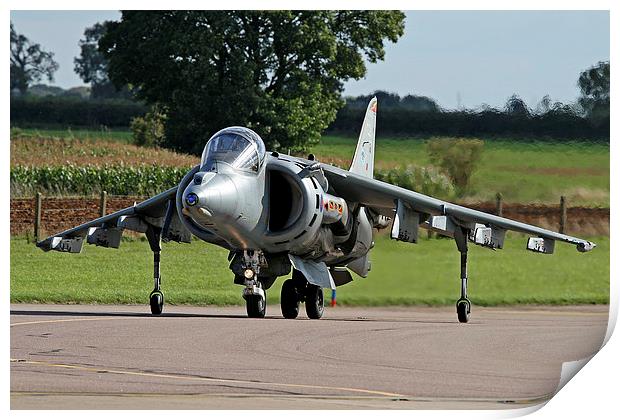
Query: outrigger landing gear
point(298, 290)
point(463, 305)
point(156, 298)
point(254, 294)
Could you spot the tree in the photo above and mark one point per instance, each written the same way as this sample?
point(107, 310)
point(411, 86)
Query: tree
point(544, 105)
point(594, 86)
point(419, 103)
point(517, 107)
point(280, 73)
point(29, 63)
point(92, 66)
point(458, 158)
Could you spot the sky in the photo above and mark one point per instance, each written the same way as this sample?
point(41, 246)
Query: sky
point(459, 58)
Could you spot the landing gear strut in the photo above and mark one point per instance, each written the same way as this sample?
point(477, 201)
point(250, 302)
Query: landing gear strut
point(463, 305)
point(156, 298)
point(254, 294)
point(298, 290)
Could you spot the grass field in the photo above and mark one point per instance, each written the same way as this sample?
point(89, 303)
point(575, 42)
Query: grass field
point(402, 274)
point(522, 172)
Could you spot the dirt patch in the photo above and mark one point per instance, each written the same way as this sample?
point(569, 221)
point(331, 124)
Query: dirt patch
point(59, 214)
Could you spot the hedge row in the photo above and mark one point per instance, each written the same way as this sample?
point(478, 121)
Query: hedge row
point(72, 112)
point(555, 124)
point(88, 180)
point(403, 122)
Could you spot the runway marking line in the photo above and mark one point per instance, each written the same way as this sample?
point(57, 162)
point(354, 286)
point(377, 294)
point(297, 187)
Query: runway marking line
point(53, 321)
point(523, 401)
point(202, 379)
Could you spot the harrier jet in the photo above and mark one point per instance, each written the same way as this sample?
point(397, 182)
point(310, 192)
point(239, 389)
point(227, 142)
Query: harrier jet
point(277, 213)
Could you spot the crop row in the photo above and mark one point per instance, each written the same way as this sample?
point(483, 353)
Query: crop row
point(88, 180)
point(150, 179)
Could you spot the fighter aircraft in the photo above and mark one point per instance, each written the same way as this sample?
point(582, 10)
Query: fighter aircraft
point(274, 212)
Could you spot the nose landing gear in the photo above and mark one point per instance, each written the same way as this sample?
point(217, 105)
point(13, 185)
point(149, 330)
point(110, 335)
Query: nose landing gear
point(254, 294)
point(256, 304)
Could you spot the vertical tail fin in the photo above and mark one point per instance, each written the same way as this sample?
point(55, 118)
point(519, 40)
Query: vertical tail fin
point(364, 158)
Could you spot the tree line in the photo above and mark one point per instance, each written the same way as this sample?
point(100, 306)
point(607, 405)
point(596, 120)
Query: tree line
point(280, 73)
point(422, 116)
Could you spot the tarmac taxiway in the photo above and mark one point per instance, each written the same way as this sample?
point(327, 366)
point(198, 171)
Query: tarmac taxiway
point(92, 357)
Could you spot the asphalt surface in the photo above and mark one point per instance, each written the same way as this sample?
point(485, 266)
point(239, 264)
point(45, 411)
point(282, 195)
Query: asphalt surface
point(88, 357)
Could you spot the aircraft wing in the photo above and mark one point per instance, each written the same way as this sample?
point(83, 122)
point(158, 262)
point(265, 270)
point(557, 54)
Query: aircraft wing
point(411, 209)
point(158, 211)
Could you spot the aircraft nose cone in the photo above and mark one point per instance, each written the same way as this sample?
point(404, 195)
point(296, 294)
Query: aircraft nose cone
point(214, 196)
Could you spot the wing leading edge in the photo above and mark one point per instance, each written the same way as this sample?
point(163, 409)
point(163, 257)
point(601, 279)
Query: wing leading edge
point(486, 229)
point(107, 230)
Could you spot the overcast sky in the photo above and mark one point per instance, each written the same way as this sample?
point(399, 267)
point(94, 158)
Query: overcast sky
point(464, 58)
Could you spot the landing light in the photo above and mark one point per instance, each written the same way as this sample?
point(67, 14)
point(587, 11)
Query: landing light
point(248, 273)
point(191, 199)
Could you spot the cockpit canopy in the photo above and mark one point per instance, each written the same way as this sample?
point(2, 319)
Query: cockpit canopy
point(239, 147)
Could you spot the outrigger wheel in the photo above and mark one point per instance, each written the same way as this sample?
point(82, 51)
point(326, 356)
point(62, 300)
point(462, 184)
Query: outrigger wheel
point(156, 299)
point(463, 308)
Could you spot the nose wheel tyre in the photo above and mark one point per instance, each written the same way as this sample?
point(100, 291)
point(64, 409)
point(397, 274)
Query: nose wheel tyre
point(463, 308)
point(156, 301)
point(256, 306)
point(314, 302)
point(289, 300)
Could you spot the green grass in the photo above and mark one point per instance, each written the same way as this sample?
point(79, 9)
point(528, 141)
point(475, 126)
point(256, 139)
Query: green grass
point(523, 172)
point(402, 274)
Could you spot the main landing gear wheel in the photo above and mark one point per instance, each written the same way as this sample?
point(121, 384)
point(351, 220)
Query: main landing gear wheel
point(289, 300)
point(463, 308)
point(157, 302)
point(314, 301)
point(256, 306)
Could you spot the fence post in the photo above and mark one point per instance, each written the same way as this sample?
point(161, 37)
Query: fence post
point(498, 204)
point(37, 216)
point(562, 214)
point(103, 203)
